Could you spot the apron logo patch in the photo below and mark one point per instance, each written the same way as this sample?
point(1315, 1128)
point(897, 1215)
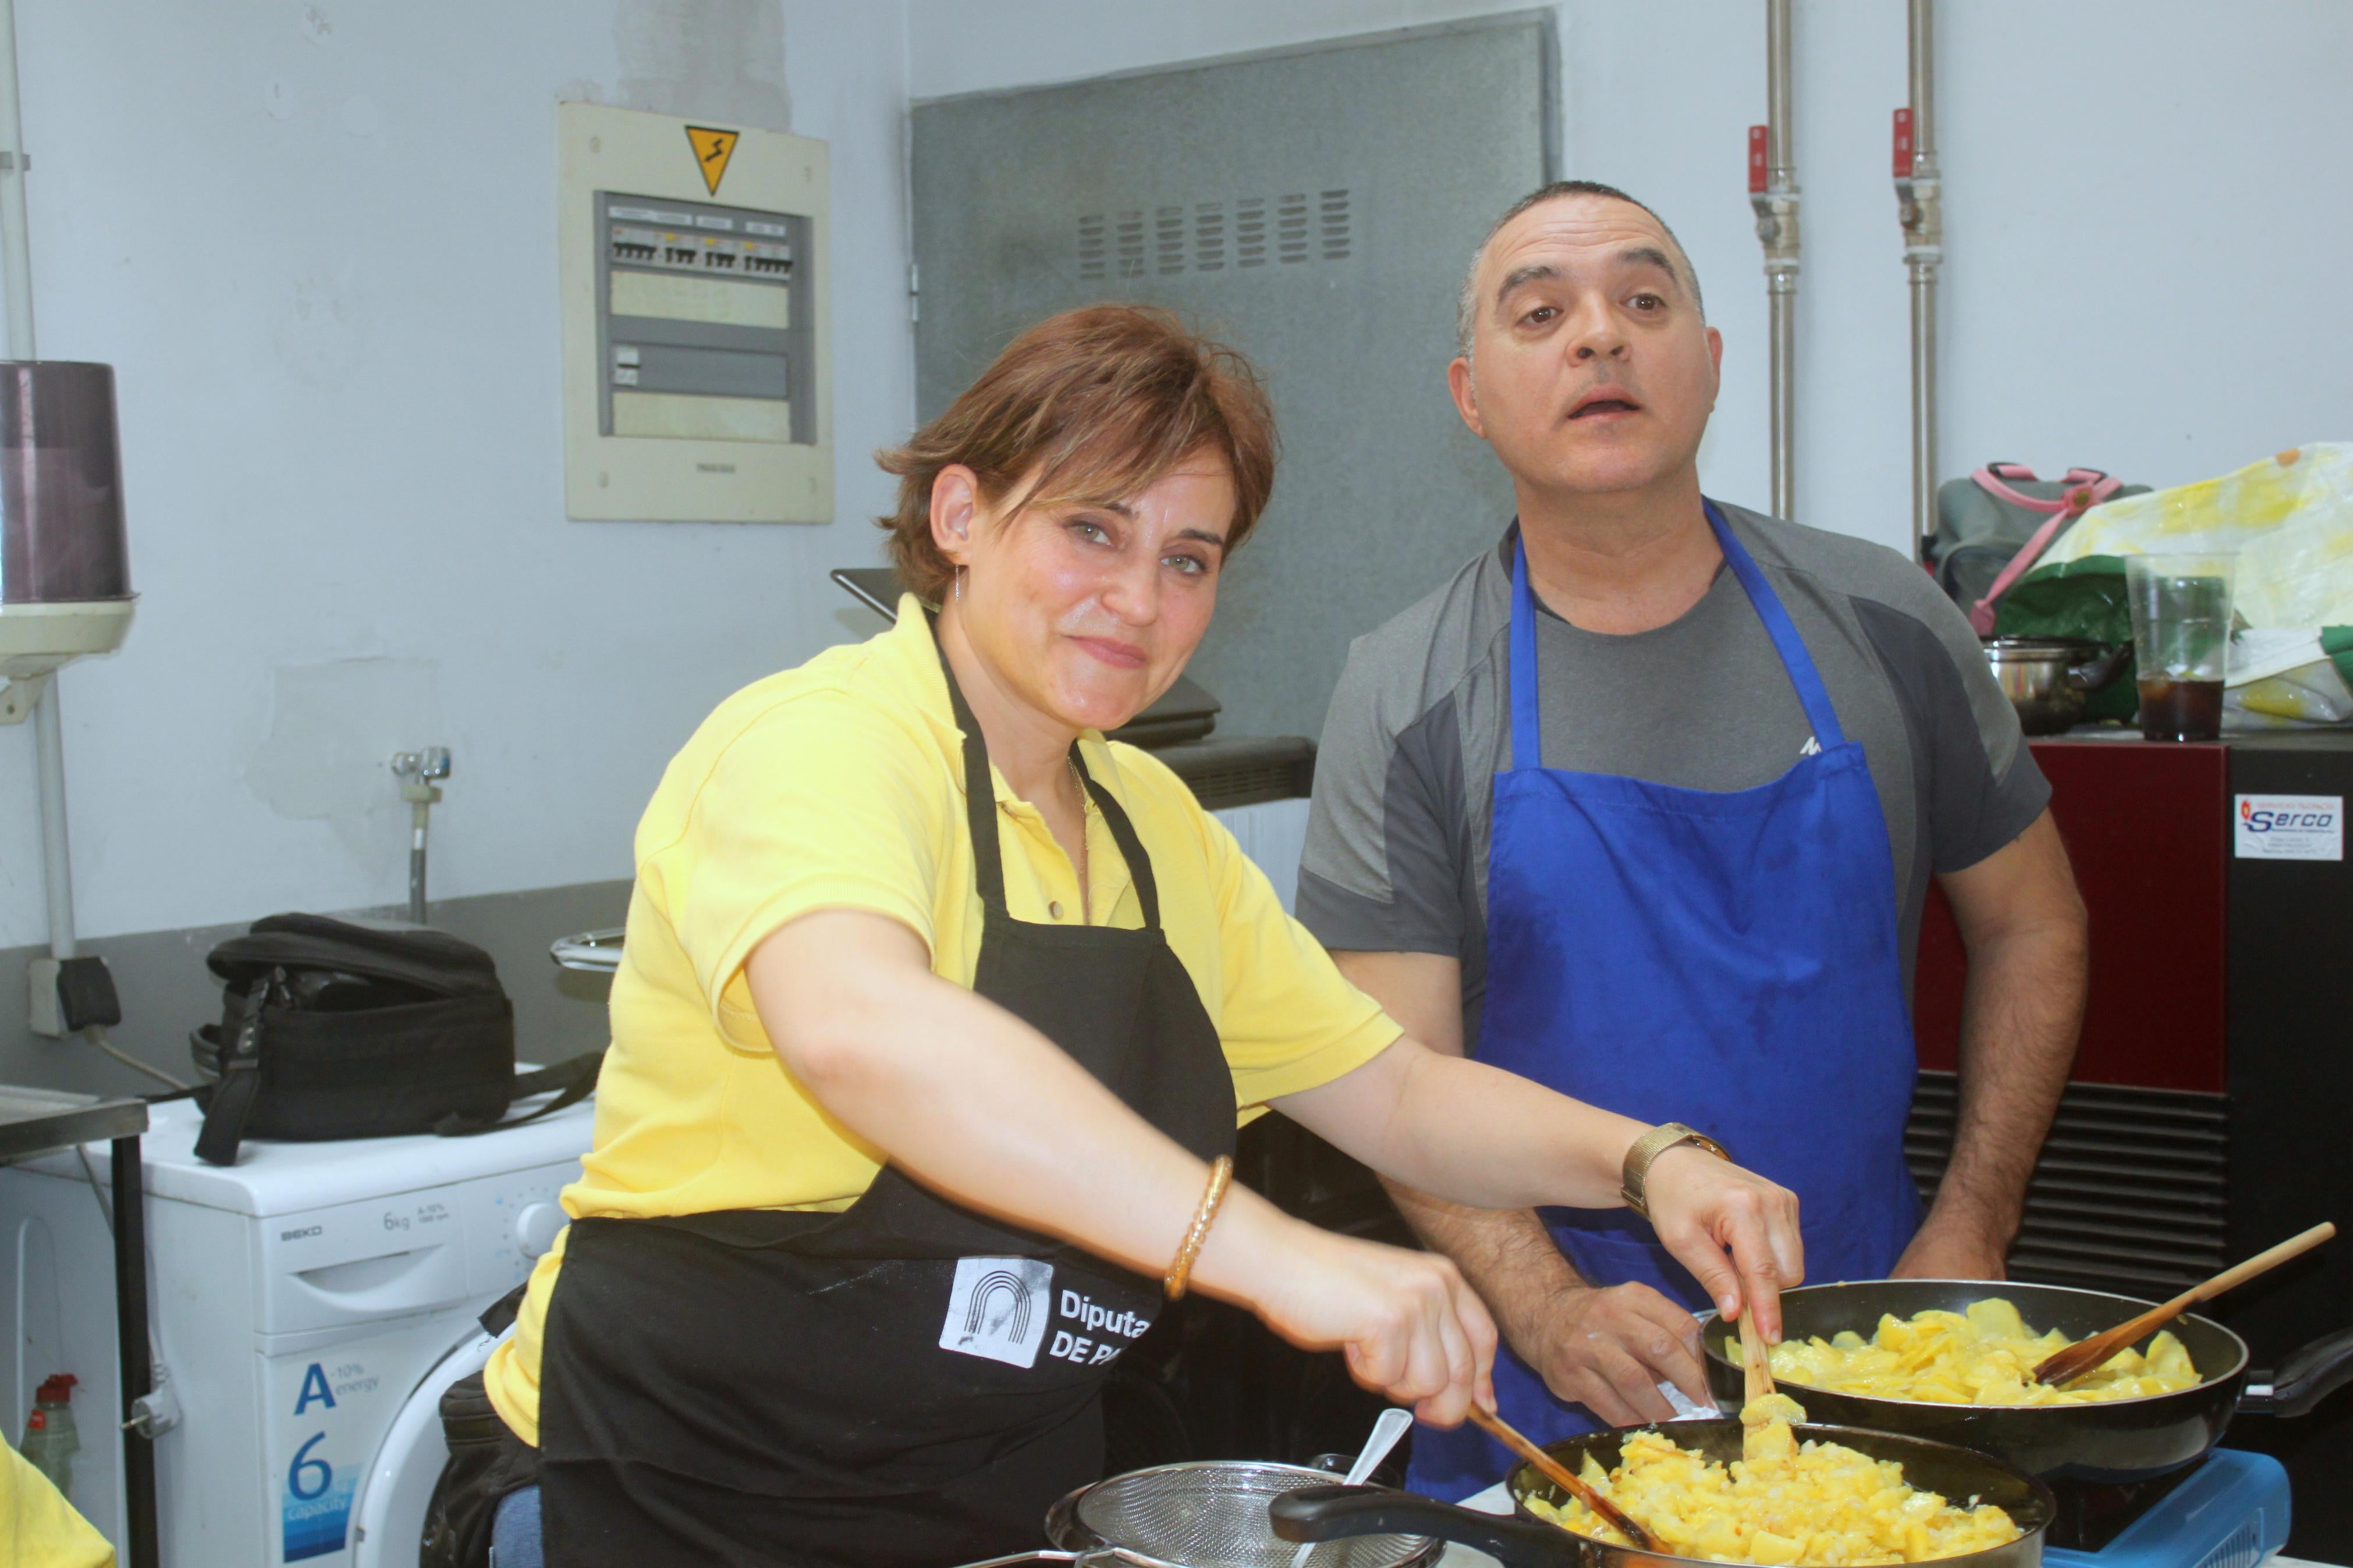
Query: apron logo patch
point(999, 1308)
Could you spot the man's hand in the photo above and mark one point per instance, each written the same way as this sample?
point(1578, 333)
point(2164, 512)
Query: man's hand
point(1608, 1347)
point(1949, 1249)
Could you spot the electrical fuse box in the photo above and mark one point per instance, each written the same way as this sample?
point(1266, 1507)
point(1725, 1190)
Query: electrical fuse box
point(696, 340)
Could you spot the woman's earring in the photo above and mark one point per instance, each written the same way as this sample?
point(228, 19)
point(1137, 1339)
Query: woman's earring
point(959, 583)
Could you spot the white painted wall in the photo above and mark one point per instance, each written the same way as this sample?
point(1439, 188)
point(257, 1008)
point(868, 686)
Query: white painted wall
point(317, 240)
point(2147, 222)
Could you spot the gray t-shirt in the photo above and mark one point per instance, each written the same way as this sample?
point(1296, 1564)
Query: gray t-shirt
point(1397, 844)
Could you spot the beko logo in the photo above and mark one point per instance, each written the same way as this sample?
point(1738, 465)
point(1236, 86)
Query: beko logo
point(299, 1234)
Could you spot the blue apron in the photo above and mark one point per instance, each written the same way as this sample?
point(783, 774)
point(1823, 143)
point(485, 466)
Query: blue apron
point(1727, 960)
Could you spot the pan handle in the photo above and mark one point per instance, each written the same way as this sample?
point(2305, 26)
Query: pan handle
point(1332, 1513)
point(2304, 1380)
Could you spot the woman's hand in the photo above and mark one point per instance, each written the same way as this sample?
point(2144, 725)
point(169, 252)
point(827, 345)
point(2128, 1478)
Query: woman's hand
point(1411, 1327)
point(1703, 1207)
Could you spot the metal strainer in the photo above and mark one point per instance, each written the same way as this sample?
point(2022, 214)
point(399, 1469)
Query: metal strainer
point(1212, 1514)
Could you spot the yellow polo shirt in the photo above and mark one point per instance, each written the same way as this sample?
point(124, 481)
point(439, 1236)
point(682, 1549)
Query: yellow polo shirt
point(841, 785)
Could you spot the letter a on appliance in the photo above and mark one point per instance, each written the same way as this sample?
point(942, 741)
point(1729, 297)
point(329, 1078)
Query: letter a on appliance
point(712, 151)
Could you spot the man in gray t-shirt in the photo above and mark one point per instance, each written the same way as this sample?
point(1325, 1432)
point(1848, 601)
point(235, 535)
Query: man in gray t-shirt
point(1681, 876)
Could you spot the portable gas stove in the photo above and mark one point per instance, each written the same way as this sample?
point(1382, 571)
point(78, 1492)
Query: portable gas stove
point(2228, 1510)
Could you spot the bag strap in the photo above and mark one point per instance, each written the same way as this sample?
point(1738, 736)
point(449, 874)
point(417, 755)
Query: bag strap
point(241, 1078)
point(574, 1079)
point(2087, 487)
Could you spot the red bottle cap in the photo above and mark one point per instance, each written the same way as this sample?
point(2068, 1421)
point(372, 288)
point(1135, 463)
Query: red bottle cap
point(56, 1389)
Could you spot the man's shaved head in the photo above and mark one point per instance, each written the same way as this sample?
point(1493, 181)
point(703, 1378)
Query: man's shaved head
point(1467, 307)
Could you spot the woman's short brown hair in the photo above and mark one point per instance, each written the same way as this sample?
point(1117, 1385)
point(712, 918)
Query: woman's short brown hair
point(1098, 403)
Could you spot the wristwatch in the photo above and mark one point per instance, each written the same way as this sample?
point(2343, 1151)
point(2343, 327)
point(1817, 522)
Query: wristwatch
point(1649, 1147)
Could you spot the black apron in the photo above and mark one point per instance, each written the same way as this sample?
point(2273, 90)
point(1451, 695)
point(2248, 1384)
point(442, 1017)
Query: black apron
point(907, 1381)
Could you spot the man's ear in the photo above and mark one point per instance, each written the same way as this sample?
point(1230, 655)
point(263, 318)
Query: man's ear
point(955, 502)
point(1465, 390)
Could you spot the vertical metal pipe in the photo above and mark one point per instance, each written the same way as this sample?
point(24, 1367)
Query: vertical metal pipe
point(1777, 227)
point(17, 287)
point(416, 862)
point(15, 254)
point(132, 1345)
point(1921, 204)
point(50, 772)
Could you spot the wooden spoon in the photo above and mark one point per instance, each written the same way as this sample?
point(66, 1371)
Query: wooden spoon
point(2064, 1366)
point(1569, 1481)
point(1753, 1359)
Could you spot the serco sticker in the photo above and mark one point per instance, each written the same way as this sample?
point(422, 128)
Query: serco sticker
point(2288, 827)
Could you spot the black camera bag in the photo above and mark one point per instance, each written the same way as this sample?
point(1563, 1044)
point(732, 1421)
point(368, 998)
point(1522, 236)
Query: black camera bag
point(334, 1030)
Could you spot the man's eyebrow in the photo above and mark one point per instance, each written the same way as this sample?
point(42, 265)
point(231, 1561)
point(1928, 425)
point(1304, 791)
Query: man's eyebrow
point(1519, 277)
point(1650, 256)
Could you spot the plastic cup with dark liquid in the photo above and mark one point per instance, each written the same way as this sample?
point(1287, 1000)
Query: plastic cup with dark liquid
point(2181, 641)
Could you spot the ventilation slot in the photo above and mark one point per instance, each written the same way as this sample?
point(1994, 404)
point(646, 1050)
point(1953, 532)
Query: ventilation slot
point(1168, 239)
point(1250, 231)
point(1290, 228)
point(1332, 224)
point(1216, 235)
point(2129, 1194)
point(1129, 232)
point(1210, 237)
point(1092, 246)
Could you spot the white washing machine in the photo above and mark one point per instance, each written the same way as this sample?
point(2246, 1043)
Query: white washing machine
point(310, 1305)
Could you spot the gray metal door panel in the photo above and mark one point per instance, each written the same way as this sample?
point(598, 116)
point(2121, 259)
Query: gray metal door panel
point(1315, 209)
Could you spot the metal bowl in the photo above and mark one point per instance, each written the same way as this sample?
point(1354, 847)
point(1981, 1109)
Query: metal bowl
point(2047, 679)
point(1213, 1514)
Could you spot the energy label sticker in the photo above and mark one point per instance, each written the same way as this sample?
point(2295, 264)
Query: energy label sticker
point(2289, 827)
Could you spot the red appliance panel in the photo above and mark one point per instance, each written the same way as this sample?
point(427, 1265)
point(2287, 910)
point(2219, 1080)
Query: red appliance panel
point(2147, 828)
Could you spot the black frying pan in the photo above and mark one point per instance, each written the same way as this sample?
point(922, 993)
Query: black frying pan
point(2114, 1441)
point(1525, 1540)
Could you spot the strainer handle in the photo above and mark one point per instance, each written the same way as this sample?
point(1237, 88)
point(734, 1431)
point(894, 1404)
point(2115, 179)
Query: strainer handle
point(1333, 1513)
point(1099, 1557)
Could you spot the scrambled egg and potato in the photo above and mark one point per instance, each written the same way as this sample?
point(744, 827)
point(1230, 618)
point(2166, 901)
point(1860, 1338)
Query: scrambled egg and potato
point(1985, 1355)
point(1818, 1505)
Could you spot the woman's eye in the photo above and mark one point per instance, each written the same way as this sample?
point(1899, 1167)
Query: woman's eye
point(1094, 533)
point(1191, 565)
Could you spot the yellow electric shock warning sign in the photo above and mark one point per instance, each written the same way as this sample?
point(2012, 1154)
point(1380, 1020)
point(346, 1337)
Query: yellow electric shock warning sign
point(712, 151)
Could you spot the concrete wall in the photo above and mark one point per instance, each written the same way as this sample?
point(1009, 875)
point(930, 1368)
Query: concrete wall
point(2145, 213)
point(317, 241)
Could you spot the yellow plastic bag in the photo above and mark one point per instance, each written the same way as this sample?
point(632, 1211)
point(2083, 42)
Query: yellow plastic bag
point(2289, 517)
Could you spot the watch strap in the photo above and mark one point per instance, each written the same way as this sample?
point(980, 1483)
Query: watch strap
point(1635, 1177)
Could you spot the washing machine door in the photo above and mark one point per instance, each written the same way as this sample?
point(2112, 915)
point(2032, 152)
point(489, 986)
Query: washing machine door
point(389, 1513)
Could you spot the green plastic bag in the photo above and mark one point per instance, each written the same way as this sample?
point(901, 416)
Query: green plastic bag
point(2082, 598)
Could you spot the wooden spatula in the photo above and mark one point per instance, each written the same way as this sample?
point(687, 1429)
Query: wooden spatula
point(2064, 1366)
point(1753, 1359)
point(1569, 1481)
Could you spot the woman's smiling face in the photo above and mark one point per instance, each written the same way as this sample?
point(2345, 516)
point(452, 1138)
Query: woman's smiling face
point(1088, 610)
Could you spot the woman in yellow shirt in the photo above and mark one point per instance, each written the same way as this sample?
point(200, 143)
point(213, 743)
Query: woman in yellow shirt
point(937, 1014)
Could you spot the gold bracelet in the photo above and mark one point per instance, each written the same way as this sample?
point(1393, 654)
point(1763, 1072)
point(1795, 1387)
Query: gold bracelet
point(1636, 1175)
point(1181, 1271)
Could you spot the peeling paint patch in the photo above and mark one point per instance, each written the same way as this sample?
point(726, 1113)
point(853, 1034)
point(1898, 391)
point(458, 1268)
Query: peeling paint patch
point(722, 60)
point(333, 730)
